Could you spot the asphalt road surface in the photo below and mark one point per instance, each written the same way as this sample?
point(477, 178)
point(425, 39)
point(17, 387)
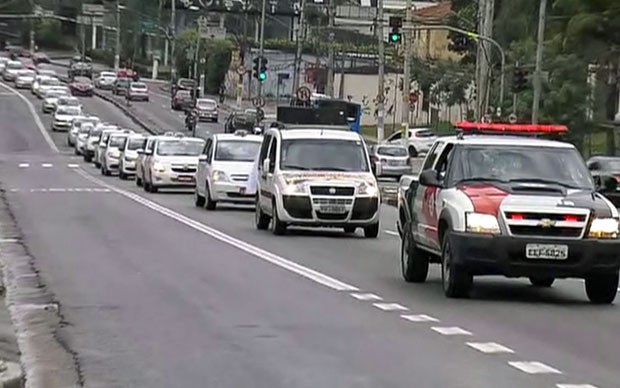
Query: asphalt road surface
point(159, 293)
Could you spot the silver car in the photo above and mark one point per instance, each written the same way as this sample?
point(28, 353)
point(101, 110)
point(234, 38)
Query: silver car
point(419, 142)
point(102, 145)
point(11, 70)
point(111, 155)
point(390, 160)
point(82, 138)
point(129, 155)
point(76, 124)
point(50, 98)
point(25, 78)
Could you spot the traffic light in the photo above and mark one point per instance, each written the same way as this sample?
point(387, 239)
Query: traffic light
point(519, 80)
point(396, 22)
point(260, 68)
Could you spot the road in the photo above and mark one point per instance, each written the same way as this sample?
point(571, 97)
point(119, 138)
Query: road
point(158, 293)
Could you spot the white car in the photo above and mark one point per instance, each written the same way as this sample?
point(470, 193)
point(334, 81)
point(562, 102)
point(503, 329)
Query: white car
point(49, 84)
point(172, 163)
point(36, 84)
point(129, 155)
point(103, 143)
point(63, 116)
point(3, 62)
point(12, 69)
point(224, 169)
point(82, 138)
point(77, 123)
point(111, 157)
point(25, 78)
point(68, 101)
point(93, 139)
point(419, 142)
point(50, 97)
point(47, 72)
point(105, 80)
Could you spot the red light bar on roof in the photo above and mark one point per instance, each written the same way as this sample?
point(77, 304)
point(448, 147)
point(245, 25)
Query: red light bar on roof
point(516, 128)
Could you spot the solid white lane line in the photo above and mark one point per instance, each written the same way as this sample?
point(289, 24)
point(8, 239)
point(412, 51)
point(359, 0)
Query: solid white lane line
point(46, 165)
point(8, 240)
point(454, 330)
point(35, 116)
point(366, 297)
point(24, 165)
point(575, 386)
point(390, 306)
point(239, 244)
point(419, 318)
point(489, 347)
point(391, 232)
point(533, 367)
point(55, 190)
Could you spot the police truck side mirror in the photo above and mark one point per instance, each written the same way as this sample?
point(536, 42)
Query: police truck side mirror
point(140, 152)
point(266, 163)
point(202, 158)
point(429, 178)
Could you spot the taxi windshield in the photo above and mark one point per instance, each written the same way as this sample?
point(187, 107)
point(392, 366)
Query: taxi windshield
point(180, 148)
point(560, 166)
point(323, 155)
point(117, 141)
point(85, 128)
point(68, 110)
point(55, 93)
point(69, 102)
point(237, 151)
point(206, 104)
point(50, 81)
point(136, 144)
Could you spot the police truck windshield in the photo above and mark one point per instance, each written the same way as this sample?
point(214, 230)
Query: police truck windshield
point(324, 155)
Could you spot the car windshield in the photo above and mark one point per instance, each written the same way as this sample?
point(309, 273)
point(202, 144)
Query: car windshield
point(323, 155)
point(611, 165)
point(85, 128)
point(123, 81)
point(180, 147)
point(423, 133)
point(392, 151)
point(117, 141)
point(138, 86)
point(107, 74)
point(47, 72)
point(237, 151)
point(14, 65)
point(206, 104)
point(68, 110)
point(69, 102)
point(136, 144)
point(55, 94)
point(183, 94)
point(27, 73)
point(510, 164)
point(96, 132)
point(50, 81)
point(82, 80)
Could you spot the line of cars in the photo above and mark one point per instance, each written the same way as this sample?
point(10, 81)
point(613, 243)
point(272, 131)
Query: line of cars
point(123, 83)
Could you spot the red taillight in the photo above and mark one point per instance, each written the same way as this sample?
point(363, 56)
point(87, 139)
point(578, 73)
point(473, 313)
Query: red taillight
point(571, 218)
point(517, 217)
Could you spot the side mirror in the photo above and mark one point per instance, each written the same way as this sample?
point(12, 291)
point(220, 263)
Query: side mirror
point(202, 158)
point(266, 163)
point(429, 178)
point(140, 152)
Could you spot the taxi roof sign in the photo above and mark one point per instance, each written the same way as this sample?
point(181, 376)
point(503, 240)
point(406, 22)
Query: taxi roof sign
point(499, 128)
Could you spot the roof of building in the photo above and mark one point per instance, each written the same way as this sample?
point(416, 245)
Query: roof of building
point(442, 10)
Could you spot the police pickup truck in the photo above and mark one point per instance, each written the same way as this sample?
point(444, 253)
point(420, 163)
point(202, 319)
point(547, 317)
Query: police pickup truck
point(496, 199)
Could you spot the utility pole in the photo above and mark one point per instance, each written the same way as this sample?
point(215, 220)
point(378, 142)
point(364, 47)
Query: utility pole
point(261, 50)
point(173, 27)
point(539, 56)
point(330, 54)
point(407, 43)
point(381, 86)
point(514, 95)
point(31, 25)
point(300, 39)
point(486, 11)
point(117, 48)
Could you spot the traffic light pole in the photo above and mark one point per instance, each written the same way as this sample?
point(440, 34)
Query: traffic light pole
point(381, 85)
point(514, 95)
point(407, 43)
point(261, 50)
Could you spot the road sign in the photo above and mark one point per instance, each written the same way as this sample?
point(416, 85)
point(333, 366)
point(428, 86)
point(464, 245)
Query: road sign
point(258, 102)
point(303, 94)
point(93, 9)
point(512, 119)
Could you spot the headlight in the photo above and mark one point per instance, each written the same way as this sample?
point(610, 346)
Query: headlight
point(130, 158)
point(604, 228)
point(114, 153)
point(158, 167)
point(219, 176)
point(295, 188)
point(481, 223)
point(366, 188)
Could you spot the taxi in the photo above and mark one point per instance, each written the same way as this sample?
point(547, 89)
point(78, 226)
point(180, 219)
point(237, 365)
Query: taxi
point(224, 169)
point(497, 199)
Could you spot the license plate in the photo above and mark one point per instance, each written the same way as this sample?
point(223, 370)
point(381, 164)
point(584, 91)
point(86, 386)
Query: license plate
point(185, 178)
point(334, 209)
point(546, 251)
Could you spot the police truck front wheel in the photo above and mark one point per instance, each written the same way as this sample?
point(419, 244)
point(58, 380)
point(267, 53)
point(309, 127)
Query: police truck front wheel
point(262, 220)
point(455, 279)
point(413, 261)
point(602, 288)
point(278, 227)
point(371, 231)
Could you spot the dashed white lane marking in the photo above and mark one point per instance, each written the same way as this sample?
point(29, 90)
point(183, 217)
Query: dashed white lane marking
point(533, 367)
point(35, 116)
point(255, 251)
point(454, 330)
point(575, 386)
point(392, 233)
point(419, 318)
point(24, 165)
point(390, 306)
point(72, 165)
point(489, 347)
point(57, 190)
point(8, 240)
point(46, 165)
point(366, 297)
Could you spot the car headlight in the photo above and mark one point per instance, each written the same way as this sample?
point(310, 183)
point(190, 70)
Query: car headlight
point(367, 188)
point(481, 223)
point(604, 228)
point(130, 158)
point(219, 176)
point(114, 153)
point(295, 189)
point(159, 167)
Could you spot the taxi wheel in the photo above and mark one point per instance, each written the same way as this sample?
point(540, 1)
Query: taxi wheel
point(209, 203)
point(602, 288)
point(122, 175)
point(541, 281)
point(413, 261)
point(278, 227)
point(413, 152)
point(371, 231)
point(456, 281)
point(138, 181)
point(199, 200)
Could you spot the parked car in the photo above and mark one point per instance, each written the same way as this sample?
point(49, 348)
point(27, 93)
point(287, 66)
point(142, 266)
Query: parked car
point(82, 86)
